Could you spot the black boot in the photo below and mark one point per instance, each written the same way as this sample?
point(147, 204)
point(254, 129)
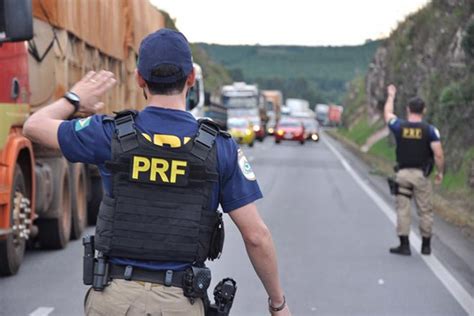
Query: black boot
point(404, 248)
point(426, 246)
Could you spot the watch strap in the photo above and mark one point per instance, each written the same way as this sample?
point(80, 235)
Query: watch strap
point(74, 103)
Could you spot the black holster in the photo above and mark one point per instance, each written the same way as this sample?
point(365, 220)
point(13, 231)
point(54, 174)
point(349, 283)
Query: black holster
point(224, 294)
point(397, 189)
point(196, 281)
point(95, 270)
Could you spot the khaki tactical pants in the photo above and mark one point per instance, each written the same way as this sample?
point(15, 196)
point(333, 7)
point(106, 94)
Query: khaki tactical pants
point(421, 192)
point(140, 298)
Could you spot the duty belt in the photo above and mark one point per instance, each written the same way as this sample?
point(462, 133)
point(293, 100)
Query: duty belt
point(166, 277)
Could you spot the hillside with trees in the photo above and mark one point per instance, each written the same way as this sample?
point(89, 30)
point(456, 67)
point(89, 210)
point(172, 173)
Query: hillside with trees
point(318, 74)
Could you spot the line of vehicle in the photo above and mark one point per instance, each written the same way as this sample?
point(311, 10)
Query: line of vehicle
point(449, 281)
point(42, 311)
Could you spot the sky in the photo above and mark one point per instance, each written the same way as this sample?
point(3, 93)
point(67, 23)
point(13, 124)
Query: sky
point(287, 22)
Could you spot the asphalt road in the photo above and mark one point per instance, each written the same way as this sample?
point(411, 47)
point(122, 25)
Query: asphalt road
point(331, 225)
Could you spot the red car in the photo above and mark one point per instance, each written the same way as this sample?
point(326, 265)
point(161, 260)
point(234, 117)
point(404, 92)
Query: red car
point(288, 129)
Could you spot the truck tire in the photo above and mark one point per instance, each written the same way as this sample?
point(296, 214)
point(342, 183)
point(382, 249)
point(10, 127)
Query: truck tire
point(12, 249)
point(78, 199)
point(55, 230)
point(96, 193)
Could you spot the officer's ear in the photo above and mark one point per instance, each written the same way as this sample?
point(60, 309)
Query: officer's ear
point(191, 80)
point(141, 82)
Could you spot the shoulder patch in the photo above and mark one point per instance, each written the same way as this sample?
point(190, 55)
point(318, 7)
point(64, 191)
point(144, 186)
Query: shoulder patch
point(436, 131)
point(392, 121)
point(245, 167)
point(82, 123)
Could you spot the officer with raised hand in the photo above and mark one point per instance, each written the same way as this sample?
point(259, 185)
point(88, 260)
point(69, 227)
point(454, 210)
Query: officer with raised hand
point(418, 148)
point(164, 175)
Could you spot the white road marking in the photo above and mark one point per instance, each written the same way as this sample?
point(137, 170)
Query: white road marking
point(42, 311)
point(453, 286)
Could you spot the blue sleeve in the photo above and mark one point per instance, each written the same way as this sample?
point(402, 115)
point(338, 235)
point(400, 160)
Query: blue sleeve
point(86, 140)
point(394, 125)
point(434, 134)
point(238, 184)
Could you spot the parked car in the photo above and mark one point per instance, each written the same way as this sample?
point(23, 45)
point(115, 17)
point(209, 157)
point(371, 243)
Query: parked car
point(241, 130)
point(290, 129)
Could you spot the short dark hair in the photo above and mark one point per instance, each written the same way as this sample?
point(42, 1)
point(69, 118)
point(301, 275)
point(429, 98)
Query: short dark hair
point(416, 105)
point(168, 88)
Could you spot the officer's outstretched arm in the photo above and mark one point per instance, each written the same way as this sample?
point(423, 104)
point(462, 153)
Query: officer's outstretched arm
point(261, 250)
point(42, 127)
point(388, 108)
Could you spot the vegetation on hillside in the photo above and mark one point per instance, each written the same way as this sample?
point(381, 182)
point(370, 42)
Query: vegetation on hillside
point(318, 74)
point(215, 75)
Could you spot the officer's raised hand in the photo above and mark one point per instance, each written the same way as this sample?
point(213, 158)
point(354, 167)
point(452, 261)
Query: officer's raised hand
point(91, 88)
point(42, 127)
point(392, 91)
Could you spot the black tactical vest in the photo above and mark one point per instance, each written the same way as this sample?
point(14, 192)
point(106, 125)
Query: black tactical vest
point(161, 197)
point(413, 145)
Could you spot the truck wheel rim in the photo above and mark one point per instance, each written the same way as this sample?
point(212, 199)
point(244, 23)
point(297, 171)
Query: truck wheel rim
point(21, 218)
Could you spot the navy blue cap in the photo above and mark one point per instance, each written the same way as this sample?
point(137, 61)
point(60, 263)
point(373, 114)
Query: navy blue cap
point(164, 47)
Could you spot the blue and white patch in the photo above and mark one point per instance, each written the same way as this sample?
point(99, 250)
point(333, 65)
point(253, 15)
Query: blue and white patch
point(436, 131)
point(245, 167)
point(82, 123)
point(392, 121)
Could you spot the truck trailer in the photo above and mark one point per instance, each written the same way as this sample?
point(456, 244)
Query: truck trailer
point(45, 47)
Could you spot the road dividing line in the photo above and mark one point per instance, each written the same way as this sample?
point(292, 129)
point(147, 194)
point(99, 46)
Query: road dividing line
point(453, 286)
point(42, 311)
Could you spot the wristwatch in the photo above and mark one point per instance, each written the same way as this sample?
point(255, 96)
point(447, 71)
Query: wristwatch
point(74, 99)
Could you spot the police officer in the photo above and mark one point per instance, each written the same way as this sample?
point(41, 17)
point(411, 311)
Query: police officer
point(418, 148)
point(164, 175)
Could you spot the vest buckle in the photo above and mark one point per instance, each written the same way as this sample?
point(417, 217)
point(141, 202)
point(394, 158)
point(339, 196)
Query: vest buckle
point(206, 136)
point(125, 126)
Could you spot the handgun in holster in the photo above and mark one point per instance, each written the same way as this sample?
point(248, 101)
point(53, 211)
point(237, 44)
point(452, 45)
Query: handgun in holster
point(397, 189)
point(95, 270)
point(224, 294)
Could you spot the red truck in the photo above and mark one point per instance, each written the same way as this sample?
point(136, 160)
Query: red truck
point(335, 115)
point(44, 200)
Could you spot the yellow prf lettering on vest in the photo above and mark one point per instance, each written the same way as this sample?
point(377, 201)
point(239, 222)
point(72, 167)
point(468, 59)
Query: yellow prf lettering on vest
point(140, 164)
point(151, 169)
point(411, 133)
point(159, 166)
point(168, 140)
point(175, 164)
